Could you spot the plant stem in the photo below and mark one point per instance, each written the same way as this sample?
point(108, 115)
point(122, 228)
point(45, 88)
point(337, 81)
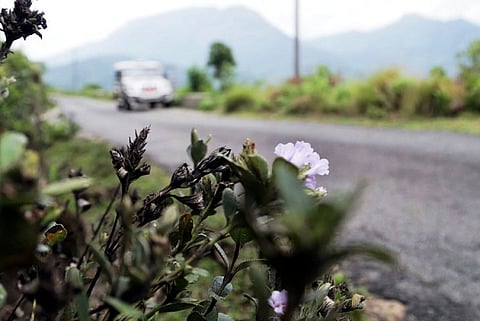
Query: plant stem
point(102, 220)
point(94, 281)
point(5, 49)
point(11, 317)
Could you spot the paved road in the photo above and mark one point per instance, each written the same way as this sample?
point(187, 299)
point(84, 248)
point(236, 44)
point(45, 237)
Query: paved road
point(422, 199)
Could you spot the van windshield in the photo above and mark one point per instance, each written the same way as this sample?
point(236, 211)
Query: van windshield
point(150, 72)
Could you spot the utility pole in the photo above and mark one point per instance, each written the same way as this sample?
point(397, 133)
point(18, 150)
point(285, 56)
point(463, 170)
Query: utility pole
point(297, 42)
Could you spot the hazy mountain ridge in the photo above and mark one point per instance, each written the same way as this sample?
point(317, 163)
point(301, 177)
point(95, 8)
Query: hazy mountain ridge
point(182, 38)
point(413, 43)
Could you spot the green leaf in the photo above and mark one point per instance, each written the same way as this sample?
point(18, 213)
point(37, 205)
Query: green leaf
point(192, 278)
point(374, 251)
point(196, 316)
point(202, 308)
point(255, 188)
point(3, 295)
point(246, 264)
point(285, 176)
point(73, 278)
point(229, 202)
point(12, 147)
point(224, 317)
point(123, 308)
point(185, 227)
point(198, 151)
point(52, 213)
point(260, 284)
point(170, 307)
point(81, 303)
point(197, 148)
point(67, 186)
point(103, 262)
point(200, 272)
point(194, 136)
point(241, 233)
point(258, 166)
point(223, 255)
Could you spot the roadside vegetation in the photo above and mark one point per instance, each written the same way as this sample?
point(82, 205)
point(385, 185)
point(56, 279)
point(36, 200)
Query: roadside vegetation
point(387, 98)
point(94, 232)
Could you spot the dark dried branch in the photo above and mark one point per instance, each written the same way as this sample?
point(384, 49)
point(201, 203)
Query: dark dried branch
point(21, 22)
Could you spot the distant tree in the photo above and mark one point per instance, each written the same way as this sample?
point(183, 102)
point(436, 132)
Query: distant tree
point(222, 61)
point(198, 79)
point(469, 63)
point(437, 72)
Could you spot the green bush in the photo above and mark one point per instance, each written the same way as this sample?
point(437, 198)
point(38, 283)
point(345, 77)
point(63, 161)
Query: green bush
point(469, 63)
point(198, 79)
point(209, 103)
point(303, 105)
point(239, 99)
point(27, 96)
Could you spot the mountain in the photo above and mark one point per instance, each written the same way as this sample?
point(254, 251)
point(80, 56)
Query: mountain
point(182, 38)
point(414, 43)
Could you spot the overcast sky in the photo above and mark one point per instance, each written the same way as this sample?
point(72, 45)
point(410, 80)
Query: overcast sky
point(75, 22)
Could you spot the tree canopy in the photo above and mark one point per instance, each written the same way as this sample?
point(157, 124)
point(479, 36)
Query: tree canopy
point(221, 59)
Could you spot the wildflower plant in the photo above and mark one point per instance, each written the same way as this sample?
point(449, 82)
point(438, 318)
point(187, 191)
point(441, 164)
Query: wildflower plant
point(140, 261)
point(141, 257)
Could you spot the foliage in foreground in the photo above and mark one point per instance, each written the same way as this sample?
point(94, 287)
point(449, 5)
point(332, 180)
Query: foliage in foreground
point(140, 262)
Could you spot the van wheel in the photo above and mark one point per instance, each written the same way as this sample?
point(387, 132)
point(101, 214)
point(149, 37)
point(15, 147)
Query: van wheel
point(123, 104)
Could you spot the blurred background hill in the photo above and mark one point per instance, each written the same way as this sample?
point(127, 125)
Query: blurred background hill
point(181, 38)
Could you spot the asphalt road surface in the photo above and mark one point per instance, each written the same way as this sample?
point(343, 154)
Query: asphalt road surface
point(422, 199)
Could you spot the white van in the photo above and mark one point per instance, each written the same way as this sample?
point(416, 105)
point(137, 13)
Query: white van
point(140, 84)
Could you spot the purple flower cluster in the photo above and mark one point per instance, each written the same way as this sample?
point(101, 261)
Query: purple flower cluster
point(307, 160)
point(278, 302)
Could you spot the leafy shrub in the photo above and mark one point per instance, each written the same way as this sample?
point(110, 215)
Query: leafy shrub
point(436, 96)
point(198, 79)
point(62, 129)
point(303, 105)
point(239, 99)
point(26, 95)
point(469, 63)
point(210, 102)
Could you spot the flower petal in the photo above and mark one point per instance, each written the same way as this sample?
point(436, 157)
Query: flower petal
point(321, 167)
point(285, 151)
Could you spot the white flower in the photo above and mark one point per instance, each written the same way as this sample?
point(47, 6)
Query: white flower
point(306, 159)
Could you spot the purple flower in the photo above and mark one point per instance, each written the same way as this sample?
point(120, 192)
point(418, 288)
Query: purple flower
point(278, 302)
point(306, 159)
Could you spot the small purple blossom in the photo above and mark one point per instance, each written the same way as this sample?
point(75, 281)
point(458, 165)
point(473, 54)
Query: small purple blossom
point(278, 302)
point(306, 159)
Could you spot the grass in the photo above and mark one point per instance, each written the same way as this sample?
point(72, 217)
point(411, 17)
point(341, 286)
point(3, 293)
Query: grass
point(467, 123)
point(93, 157)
